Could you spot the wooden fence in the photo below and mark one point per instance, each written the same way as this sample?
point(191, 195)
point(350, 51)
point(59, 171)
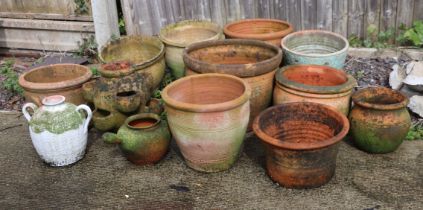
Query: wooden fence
point(346, 17)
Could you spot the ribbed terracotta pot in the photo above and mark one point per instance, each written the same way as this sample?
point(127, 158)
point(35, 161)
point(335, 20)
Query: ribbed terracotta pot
point(208, 116)
point(253, 61)
point(179, 35)
point(301, 142)
point(57, 79)
point(314, 83)
point(315, 47)
point(379, 119)
point(269, 30)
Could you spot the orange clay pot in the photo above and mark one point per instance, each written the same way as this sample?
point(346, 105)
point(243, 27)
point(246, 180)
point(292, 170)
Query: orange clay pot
point(314, 83)
point(269, 30)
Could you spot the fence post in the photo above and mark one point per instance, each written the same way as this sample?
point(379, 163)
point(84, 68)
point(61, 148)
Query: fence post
point(105, 20)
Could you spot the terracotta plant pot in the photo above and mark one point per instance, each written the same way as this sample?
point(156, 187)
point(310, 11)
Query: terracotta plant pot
point(145, 53)
point(254, 61)
point(315, 47)
point(57, 79)
point(301, 142)
point(179, 35)
point(314, 83)
point(379, 119)
point(208, 116)
point(269, 30)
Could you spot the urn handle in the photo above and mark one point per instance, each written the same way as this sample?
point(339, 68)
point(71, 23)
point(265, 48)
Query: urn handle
point(25, 111)
point(89, 115)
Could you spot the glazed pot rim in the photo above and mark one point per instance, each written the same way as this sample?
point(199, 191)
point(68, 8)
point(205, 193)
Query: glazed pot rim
point(301, 146)
point(185, 23)
point(254, 69)
point(191, 107)
point(345, 87)
point(345, 49)
point(143, 116)
point(264, 36)
point(77, 81)
point(357, 99)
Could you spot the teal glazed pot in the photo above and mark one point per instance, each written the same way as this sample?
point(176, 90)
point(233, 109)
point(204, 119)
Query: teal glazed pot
point(143, 139)
point(315, 47)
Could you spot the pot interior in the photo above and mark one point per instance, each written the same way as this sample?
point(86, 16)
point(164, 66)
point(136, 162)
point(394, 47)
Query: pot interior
point(101, 113)
point(315, 75)
point(54, 74)
point(143, 123)
point(257, 27)
point(189, 34)
point(314, 43)
point(379, 96)
point(126, 94)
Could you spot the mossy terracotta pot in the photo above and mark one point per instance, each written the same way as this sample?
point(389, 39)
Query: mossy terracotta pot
point(269, 30)
point(57, 79)
point(253, 61)
point(379, 119)
point(179, 35)
point(301, 140)
point(145, 53)
point(208, 116)
point(143, 139)
point(315, 47)
point(314, 83)
point(58, 130)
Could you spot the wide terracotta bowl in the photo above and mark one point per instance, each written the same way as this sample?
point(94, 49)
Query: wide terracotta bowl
point(208, 116)
point(301, 142)
point(57, 79)
point(269, 30)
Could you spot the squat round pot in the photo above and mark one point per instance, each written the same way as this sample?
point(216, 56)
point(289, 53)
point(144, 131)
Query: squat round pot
point(253, 61)
point(269, 30)
point(301, 140)
point(143, 139)
point(315, 47)
point(179, 35)
point(379, 119)
point(56, 79)
point(314, 83)
point(208, 116)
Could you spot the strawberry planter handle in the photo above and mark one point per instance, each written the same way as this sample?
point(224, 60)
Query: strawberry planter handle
point(26, 113)
point(89, 115)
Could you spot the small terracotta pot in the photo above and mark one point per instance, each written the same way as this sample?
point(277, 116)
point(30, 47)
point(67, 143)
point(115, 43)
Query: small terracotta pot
point(314, 83)
point(379, 119)
point(127, 101)
point(208, 116)
point(254, 61)
point(301, 141)
point(57, 79)
point(269, 30)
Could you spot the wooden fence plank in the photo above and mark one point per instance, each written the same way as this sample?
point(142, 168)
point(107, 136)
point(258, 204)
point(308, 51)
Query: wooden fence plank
point(324, 15)
point(264, 9)
point(404, 14)
point(233, 10)
point(308, 14)
point(218, 11)
point(371, 16)
point(280, 9)
point(356, 18)
point(294, 13)
point(340, 17)
point(249, 9)
point(418, 10)
point(388, 15)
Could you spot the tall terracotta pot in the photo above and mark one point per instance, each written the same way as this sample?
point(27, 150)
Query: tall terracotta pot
point(208, 116)
point(253, 61)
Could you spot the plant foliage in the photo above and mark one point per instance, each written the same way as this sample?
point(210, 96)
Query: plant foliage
point(11, 78)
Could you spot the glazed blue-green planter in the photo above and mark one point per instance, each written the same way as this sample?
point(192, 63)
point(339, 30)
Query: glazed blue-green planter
point(315, 47)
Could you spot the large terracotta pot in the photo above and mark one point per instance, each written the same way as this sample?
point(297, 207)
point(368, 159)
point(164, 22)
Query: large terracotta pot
point(208, 116)
point(57, 79)
point(379, 119)
point(269, 30)
point(179, 35)
point(314, 83)
point(315, 47)
point(254, 61)
point(301, 142)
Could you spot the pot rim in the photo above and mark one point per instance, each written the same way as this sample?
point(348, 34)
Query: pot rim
point(143, 116)
point(77, 81)
point(301, 146)
point(345, 49)
point(265, 36)
point(239, 70)
point(356, 98)
point(191, 107)
point(185, 23)
point(345, 87)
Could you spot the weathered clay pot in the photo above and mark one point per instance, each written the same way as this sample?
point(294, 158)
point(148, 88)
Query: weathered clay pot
point(314, 83)
point(145, 53)
point(269, 30)
point(208, 116)
point(301, 142)
point(143, 139)
point(379, 119)
point(254, 61)
point(315, 47)
point(179, 35)
point(57, 79)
